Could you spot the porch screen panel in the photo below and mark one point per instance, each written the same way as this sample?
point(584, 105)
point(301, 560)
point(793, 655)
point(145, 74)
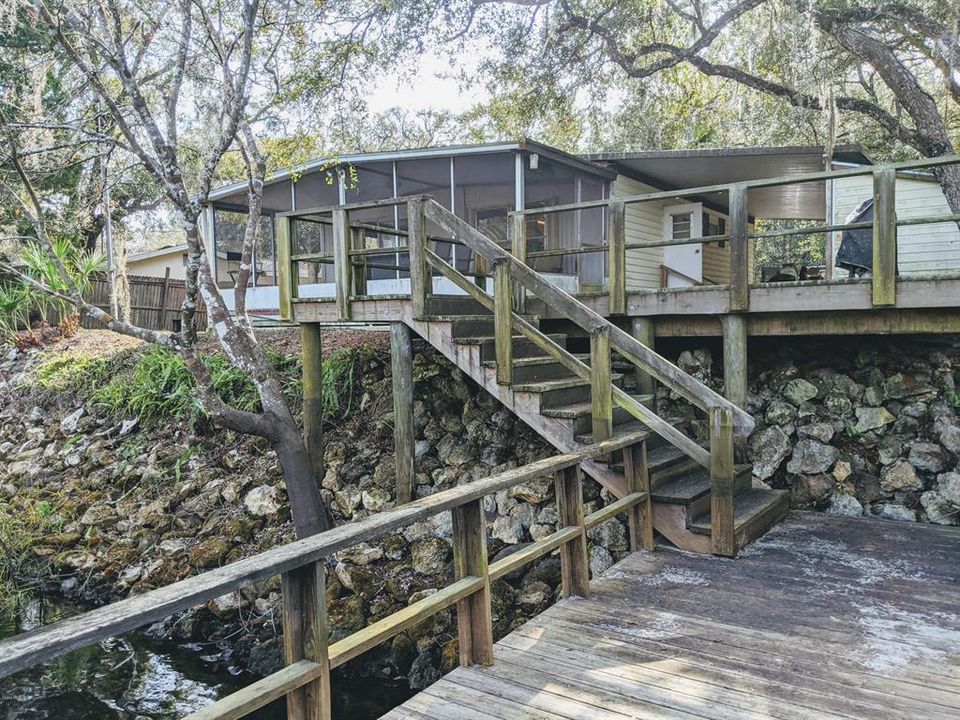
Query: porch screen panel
point(484, 193)
point(367, 182)
point(429, 176)
point(551, 183)
point(592, 231)
point(312, 237)
point(229, 231)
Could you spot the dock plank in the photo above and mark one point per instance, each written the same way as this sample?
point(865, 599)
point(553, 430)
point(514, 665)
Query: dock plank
point(824, 617)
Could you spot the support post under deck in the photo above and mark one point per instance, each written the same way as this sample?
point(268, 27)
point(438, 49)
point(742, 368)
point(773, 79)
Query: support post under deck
point(735, 359)
point(643, 330)
point(312, 363)
point(401, 364)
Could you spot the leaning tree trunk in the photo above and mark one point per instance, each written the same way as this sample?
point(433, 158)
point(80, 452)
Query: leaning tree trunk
point(307, 508)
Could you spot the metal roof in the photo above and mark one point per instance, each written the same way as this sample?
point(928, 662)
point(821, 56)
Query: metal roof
point(676, 169)
point(525, 145)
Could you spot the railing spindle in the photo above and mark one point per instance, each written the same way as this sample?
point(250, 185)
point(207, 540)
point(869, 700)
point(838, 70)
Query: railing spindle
point(574, 567)
point(601, 392)
point(503, 319)
point(357, 240)
point(884, 237)
point(286, 269)
point(342, 269)
point(305, 636)
point(421, 283)
point(474, 613)
point(616, 240)
point(722, 471)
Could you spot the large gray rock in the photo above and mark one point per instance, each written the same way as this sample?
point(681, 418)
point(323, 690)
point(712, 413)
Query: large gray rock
point(430, 556)
point(507, 530)
point(798, 391)
point(600, 560)
point(928, 457)
point(872, 418)
point(810, 490)
point(821, 431)
point(780, 412)
point(900, 476)
point(68, 426)
point(896, 511)
point(950, 439)
point(768, 449)
point(938, 509)
point(262, 501)
point(843, 504)
point(811, 457)
point(948, 485)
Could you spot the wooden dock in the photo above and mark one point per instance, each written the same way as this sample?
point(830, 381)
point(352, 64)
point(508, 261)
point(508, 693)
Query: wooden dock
point(824, 617)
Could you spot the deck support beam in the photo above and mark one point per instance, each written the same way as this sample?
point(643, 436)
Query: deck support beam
point(644, 331)
point(421, 280)
point(401, 365)
point(312, 369)
point(286, 269)
point(616, 241)
point(735, 359)
point(739, 250)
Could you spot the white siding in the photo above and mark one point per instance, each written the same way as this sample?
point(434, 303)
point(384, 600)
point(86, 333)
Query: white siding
point(644, 221)
point(921, 249)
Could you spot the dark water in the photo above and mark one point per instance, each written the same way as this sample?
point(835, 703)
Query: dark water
point(140, 676)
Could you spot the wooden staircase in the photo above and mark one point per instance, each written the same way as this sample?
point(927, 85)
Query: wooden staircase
point(554, 401)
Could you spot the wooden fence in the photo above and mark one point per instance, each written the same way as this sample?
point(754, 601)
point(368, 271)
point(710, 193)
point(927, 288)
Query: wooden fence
point(154, 302)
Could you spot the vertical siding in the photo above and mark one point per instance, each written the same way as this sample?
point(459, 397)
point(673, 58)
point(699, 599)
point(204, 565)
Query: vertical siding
point(921, 249)
point(716, 259)
point(643, 221)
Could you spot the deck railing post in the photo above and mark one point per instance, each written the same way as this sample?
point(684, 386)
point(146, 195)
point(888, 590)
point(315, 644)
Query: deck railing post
point(474, 613)
point(342, 269)
point(722, 471)
point(739, 249)
point(420, 280)
point(518, 247)
point(305, 637)
point(503, 319)
point(884, 237)
point(286, 269)
point(640, 516)
point(574, 566)
point(616, 241)
point(601, 389)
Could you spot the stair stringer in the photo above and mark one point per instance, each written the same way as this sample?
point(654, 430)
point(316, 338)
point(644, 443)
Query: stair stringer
point(525, 405)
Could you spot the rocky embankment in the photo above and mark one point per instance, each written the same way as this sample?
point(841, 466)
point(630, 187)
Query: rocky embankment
point(855, 427)
point(118, 506)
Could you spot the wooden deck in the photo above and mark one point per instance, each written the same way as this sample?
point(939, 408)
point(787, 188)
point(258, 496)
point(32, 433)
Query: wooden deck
point(823, 617)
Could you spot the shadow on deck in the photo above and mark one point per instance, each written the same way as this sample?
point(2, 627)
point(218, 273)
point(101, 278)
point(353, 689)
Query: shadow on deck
point(823, 617)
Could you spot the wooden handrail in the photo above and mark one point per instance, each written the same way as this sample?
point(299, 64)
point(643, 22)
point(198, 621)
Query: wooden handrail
point(569, 307)
point(576, 366)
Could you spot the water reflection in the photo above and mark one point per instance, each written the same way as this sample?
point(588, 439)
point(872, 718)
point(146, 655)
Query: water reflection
point(139, 676)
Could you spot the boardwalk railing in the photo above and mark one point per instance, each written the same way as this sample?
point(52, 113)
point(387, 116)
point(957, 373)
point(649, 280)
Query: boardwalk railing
point(305, 680)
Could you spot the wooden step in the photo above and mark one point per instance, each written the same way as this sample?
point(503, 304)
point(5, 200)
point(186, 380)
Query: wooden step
point(453, 305)
point(537, 368)
point(755, 512)
point(522, 348)
point(473, 325)
point(580, 416)
point(693, 489)
point(562, 391)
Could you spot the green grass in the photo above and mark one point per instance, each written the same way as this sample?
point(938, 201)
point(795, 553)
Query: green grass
point(69, 371)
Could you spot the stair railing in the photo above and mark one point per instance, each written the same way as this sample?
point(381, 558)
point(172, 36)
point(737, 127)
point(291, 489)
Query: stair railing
point(604, 335)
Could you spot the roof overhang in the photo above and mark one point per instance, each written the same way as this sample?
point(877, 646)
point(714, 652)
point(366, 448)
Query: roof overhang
point(526, 145)
point(159, 252)
point(681, 169)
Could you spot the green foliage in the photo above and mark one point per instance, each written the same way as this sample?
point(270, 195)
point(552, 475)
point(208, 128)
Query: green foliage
point(20, 528)
point(159, 386)
point(73, 371)
point(21, 302)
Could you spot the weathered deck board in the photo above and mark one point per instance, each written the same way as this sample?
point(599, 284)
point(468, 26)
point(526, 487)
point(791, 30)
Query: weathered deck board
point(823, 617)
